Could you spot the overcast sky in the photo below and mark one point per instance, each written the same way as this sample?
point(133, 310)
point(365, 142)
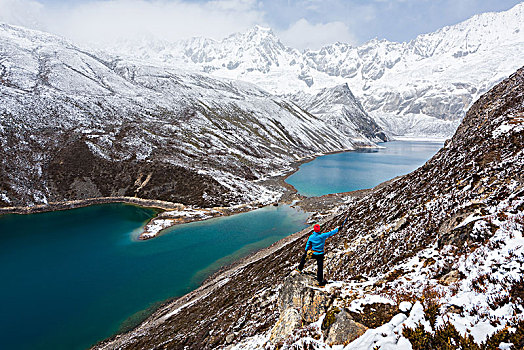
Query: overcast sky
point(298, 23)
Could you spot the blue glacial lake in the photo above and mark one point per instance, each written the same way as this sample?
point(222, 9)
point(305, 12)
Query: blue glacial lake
point(72, 278)
point(350, 171)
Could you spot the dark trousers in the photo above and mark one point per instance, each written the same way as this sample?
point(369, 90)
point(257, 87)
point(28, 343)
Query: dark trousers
point(320, 265)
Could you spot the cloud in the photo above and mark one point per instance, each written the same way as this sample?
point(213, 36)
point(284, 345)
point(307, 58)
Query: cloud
point(304, 35)
point(235, 5)
point(104, 22)
point(300, 23)
point(108, 22)
point(26, 13)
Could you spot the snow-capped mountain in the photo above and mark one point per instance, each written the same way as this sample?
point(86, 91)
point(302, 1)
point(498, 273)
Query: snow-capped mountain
point(77, 125)
point(420, 87)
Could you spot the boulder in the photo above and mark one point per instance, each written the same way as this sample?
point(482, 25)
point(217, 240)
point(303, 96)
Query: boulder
point(230, 338)
point(298, 292)
point(341, 329)
point(451, 277)
point(299, 302)
point(455, 231)
point(454, 309)
point(400, 224)
point(375, 315)
point(289, 320)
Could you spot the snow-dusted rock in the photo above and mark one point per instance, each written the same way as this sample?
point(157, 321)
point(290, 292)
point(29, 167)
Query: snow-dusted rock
point(289, 320)
point(343, 329)
point(299, 292)
point(451, 277)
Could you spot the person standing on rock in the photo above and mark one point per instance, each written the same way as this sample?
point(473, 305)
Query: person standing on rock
point(315, 250)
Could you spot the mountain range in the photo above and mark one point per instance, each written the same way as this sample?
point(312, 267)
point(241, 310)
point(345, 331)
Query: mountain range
point(223, 116)
point(418, 88)
point(76, 125)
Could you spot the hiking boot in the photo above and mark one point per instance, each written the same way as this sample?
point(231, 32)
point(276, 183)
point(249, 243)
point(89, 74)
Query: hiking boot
point(321, 284)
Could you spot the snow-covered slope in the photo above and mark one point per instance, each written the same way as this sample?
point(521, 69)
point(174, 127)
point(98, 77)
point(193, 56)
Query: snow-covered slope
point(431, 260)
point(338, 107)
point(421, 87)
point(76, 125)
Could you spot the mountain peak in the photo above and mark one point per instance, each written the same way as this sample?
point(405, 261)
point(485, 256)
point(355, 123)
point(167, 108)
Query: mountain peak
point(389, 78)
point(254, 35)
point(259, 28)
point(340, 92)
point(342, 87)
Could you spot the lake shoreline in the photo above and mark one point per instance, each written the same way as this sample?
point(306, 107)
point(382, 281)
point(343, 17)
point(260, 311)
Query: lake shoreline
point(210, 284)
point(82, 203)
point(170, 307)
point(167, 219)
point(290, 195)
point(172, 214)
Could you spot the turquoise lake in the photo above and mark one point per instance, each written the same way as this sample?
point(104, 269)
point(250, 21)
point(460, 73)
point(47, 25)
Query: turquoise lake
point(366, 168)
point(72, 278)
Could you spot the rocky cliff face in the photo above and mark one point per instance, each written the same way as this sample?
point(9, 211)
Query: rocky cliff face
point(77, 125)
point(437, 255)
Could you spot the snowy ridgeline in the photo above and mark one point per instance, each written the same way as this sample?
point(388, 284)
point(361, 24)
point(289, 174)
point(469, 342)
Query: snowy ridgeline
point(416, 88)
point(68, 111)
point(171, 108)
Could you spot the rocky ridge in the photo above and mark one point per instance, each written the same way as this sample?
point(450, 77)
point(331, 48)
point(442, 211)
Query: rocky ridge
point(76, 125)
point(434, 258)
point(338, 107)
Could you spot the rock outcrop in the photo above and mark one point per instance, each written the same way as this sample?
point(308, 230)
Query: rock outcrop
point(301, 303)
point(299, 292)
point(288, 321)
point(343, 329)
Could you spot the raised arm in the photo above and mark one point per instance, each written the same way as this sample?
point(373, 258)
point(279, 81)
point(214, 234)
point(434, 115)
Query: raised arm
point(331, 233)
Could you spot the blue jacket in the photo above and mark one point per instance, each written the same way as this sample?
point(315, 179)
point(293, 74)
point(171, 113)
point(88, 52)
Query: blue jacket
point(316, 241)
